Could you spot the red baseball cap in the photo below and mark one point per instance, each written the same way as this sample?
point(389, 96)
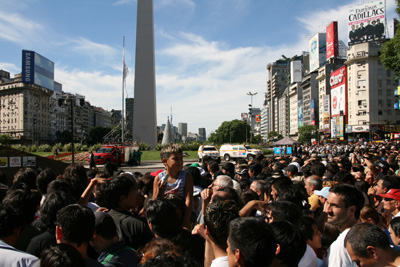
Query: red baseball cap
point(392, 193)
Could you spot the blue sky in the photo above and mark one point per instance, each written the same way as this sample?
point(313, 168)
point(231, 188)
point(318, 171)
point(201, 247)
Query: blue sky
point(209, 53)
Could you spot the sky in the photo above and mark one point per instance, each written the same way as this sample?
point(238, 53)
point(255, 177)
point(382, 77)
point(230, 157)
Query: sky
point(209, 53)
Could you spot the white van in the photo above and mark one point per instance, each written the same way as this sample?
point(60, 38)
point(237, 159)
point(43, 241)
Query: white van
point(229, 151)
point(208, 150)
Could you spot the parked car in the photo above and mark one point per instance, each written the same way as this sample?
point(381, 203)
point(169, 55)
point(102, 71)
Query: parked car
point(208, 150)
point(229, 151)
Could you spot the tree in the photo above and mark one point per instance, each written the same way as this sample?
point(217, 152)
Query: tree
point(273, 135)
point(5, 140)
point(97, 133)
point(390, 52)
point(306, 133)
point(64, 137)
point(234, 131)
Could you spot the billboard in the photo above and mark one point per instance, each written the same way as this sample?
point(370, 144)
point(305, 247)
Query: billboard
point(258, 118)
point(332, 43)
point(317, 47)
point(312, 112)
point(338, 82)
point(367, 22)
point(301, 118)
point(37, 69)
point(295, 71)
point(326, 114)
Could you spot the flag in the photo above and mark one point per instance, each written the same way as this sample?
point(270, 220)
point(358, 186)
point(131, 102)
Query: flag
point(126, 70)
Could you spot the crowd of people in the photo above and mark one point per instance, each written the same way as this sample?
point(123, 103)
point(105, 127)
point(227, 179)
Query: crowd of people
point(325, 205)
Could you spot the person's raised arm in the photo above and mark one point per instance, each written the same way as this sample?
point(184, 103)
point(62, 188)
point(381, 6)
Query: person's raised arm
point(188, 200)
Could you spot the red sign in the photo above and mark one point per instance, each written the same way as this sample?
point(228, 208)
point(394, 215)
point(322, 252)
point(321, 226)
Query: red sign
point(332, 43)
point(258, 118)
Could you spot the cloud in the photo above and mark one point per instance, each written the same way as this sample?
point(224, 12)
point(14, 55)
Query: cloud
point(92, 49)
point(163, 3)
point(17, 29)
point(10, 67)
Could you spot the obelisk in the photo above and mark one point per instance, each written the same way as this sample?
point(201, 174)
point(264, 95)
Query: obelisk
point(145, 110)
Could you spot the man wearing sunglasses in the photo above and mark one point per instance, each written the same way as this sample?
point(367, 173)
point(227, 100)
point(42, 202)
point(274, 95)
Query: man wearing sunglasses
point(391, 202)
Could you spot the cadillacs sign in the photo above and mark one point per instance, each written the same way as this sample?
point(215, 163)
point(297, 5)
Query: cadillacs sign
point(360, 128)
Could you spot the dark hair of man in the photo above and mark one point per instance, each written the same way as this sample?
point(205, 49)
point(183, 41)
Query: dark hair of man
point(395, 225)
point(109, 169)
point(256, 168)
point(161, 213)
point(146, 185)
point(157, 247)
point(169, 260)
point(195, 172)
point(64, 185)
point(285, 211)
point(292, 243)
point(115, 188)
point(26, 176)
point(281, 183)
point(241, 161)
point(61, 255)
point(244, 184)
point(332, 168)
point(43, 179)
point(53, 203)
point(362, 235)
point(390, 182)
point(351, 196)
point(296, 194)
point(344, 177)
point(259, 157)
point(255, 240)
point(368, 212)
point(318, 168)
point(10, 219)
point(107, 228)
point(77, 171)
point(278, 166)
point(77, 223)
point(247, 196)
point(305, 227)
point(25, 200)
point(217, 218)
point(363, 186)
point(213, 165)
point(232, 195)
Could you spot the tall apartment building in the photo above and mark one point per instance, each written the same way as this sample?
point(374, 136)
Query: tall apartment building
point(370, 90)
point(264, 120)
point(295, 94)
point(283, 113)
point(202, 134)
point(324, 88)
point(24, 110)
point(182, 129)
point(276, 84)
point(309, 86)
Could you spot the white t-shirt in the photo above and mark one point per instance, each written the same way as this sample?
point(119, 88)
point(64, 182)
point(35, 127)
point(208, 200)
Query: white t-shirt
point(309, 258)
point(220, 262)
point(337, 253)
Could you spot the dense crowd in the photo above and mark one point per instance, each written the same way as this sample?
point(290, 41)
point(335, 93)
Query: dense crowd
point(326, 205)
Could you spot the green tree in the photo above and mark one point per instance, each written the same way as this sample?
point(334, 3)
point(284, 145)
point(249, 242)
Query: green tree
point(306, 133)
point(390, 52)
point(273, 135)
point(234, 131)
point(5, 140)
point(97, 133)
point(63, 137)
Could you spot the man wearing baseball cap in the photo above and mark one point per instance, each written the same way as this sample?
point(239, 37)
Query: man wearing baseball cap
point(391, 202)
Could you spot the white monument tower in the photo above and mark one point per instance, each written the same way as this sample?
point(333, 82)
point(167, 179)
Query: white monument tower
point(145, 111)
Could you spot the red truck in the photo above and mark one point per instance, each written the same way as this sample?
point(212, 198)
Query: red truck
point(115, 153)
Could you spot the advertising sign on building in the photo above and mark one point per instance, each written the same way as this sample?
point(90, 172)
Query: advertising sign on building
point(360, 128)
point(301, 118)
point(295, 71)
point(332, 43)
point(333, 127)
point(317, 46)
point(312, 112)
point(367, 22)
point(258, 118)
point(326, 114)
point(37, 69)
point(338, 82)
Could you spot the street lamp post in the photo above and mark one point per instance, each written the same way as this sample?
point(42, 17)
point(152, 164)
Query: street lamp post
point(251, 114)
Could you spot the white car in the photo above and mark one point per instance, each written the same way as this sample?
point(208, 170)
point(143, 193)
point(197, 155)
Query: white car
point(208, 150)
point(229, 152)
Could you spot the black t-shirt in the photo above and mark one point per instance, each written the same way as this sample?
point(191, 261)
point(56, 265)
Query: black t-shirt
point(131, 228)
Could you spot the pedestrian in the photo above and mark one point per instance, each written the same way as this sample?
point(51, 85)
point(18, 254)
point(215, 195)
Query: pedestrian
point(92, 162)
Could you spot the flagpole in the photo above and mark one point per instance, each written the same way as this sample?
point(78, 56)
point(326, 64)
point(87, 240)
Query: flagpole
point(123, 88)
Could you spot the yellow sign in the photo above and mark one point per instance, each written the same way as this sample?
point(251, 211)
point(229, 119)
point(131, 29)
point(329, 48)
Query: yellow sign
point(3, 162)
